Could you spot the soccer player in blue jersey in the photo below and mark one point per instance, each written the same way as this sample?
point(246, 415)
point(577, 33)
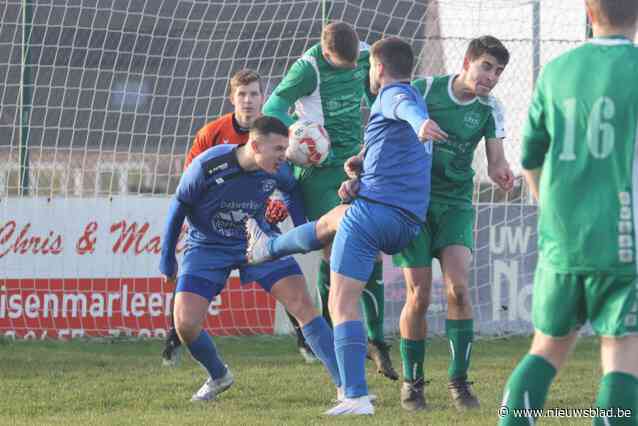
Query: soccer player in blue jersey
point(223, 187)
point(389, 196)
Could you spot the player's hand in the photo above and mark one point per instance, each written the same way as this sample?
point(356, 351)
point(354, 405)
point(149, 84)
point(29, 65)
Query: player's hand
point(276, 211)
point(349, 190)
point(353, 166)
point(430, 130)
point(502, 176)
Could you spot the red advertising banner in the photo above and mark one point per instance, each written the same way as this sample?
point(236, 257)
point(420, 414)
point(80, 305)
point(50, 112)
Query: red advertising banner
point(78, 267)
point(69, 308)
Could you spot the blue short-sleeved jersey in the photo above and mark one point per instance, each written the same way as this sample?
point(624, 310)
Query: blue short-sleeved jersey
point(397, 165)
point(218, 196)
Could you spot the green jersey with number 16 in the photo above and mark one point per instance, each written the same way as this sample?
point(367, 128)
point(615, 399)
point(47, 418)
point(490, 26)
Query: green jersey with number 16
point(582, 131)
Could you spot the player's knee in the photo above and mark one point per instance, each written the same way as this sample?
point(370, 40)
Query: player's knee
point(418, 301)
point(619, 354)
point(458, 294)
point(187, 328)
point(300, 306)
point(325, 229)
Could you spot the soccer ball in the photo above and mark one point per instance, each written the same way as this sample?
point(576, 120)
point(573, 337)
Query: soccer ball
point(308, 144)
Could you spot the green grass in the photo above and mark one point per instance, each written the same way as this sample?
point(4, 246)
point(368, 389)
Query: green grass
point(123, 383)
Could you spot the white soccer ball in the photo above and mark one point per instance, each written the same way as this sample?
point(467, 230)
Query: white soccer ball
point(308, 144)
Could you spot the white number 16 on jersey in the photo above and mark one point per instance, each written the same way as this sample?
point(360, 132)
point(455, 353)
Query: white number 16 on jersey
point(600, 133)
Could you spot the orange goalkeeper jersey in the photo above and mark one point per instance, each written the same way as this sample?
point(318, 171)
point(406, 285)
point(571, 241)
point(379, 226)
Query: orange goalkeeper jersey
point(224, 130)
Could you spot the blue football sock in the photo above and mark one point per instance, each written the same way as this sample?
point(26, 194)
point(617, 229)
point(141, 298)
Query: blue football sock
point(301, 239)
point(319, 337)
point(351, 346)
point(203, 350)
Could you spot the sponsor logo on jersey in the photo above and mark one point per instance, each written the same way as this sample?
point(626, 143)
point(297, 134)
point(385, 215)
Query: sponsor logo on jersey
point(222, 166)
point(230, 223)
point(333, 105)
point(472, 120)
point(268, 185)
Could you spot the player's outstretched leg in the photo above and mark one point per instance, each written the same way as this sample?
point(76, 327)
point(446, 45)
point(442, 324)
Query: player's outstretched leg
point(263, 247)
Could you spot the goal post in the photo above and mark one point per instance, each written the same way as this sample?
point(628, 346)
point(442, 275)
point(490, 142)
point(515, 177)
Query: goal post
point(92, 146)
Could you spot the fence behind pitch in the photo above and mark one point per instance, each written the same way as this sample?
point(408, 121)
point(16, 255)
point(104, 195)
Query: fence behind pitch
point(99, 107)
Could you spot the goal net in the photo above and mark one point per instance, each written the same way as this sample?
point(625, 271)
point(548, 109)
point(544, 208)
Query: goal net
point(100, 101)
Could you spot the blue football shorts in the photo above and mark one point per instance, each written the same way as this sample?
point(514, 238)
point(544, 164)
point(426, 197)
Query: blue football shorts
point(367, 228)
point(209, 281)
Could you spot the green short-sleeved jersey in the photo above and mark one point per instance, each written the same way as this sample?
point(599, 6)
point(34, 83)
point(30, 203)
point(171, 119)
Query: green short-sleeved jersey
point(466, 123)
point(329, 96)
point(582, 130)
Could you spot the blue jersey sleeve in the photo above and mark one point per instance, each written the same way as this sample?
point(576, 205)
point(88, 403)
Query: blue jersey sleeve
point(174, 221)
point(191, 185)
point(398, 103)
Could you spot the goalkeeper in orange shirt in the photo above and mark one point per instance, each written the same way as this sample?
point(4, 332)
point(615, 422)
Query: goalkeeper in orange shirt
point(247, 97)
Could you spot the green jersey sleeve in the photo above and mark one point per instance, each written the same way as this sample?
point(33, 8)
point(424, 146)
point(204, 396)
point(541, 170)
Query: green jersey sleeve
point(535, 136)
point(300, 81)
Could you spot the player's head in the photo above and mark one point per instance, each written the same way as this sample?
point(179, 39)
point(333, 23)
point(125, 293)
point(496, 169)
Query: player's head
point(485, 59)
point(246, 96)
point(613, 13)
point(268, 140)
point(391, 59)
point(340, 45)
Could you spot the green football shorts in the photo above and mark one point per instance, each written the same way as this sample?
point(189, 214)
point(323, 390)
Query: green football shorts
point(563, 302)
point(319, 187)
point(446, 225)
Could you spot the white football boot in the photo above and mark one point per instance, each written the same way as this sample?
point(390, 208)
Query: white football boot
point(213, 387)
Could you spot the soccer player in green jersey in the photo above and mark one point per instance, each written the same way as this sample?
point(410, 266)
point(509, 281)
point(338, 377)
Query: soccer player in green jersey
point(579, 160)
point(463, 107)
point(326, 85)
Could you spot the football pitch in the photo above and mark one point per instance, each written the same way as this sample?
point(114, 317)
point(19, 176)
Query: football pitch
point(124, 383)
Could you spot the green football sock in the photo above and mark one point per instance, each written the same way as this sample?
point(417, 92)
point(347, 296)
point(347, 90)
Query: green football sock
point(460, 334)
point(413, 358)
point(618, 391)
point(323, 284)
point(373, 303)
point(526, 388)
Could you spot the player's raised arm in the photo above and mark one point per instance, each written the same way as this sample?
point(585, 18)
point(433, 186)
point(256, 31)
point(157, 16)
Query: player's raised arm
point(300, 81)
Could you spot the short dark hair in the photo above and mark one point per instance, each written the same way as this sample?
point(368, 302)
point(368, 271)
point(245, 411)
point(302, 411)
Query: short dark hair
point(618, 13)
point(266, 125)
point(243, 78)
point(342, 40)
point(490, 45)
point(396, 55)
